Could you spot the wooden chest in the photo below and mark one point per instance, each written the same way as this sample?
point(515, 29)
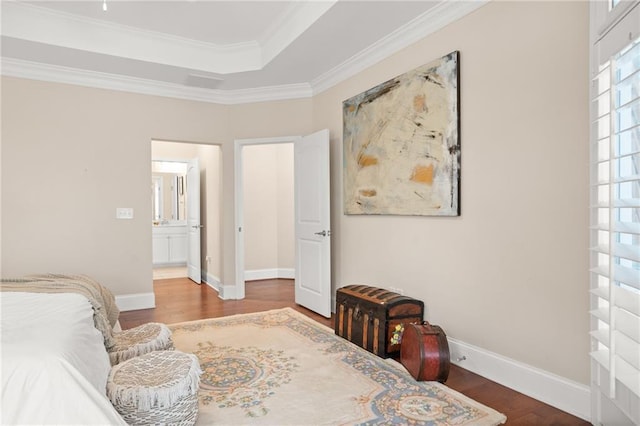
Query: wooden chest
point(368, 316)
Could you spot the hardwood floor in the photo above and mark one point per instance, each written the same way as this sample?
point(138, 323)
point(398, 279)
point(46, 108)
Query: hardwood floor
point(180, 299)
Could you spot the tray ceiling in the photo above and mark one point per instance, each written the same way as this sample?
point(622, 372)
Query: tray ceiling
point(224, 51)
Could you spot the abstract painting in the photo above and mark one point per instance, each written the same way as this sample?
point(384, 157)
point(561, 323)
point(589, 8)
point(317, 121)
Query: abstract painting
point(402, 146)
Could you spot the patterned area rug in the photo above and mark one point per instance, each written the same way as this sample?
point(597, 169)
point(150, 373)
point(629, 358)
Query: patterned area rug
point(282, 368)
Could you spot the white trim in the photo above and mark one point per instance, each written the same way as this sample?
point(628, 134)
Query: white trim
point(286, 273)
point(43, 25)
point(54, 27)
point(58, 74)
point(265, 94)
point(607, 20)
point(133, 302)
point(542, 385)
point(434, 19)
point(225, 292)
point(211, 280)
point(268, 274)
point(228, 292)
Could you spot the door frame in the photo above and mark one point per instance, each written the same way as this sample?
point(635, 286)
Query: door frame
point(238, 184)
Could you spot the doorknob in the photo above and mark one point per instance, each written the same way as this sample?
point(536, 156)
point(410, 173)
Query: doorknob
point(197, 226)
point(323, 233)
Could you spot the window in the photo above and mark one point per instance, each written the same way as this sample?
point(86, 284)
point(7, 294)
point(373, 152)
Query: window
point(615, 219)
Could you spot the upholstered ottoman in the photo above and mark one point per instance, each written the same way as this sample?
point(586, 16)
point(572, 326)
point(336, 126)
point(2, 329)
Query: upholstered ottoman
point(145, 338)
point(160, 387)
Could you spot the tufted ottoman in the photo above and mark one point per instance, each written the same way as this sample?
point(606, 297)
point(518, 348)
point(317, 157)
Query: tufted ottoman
point(160, 387)
point(153, 336)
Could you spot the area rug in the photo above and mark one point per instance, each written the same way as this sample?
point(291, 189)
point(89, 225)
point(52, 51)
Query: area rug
point(282, 368)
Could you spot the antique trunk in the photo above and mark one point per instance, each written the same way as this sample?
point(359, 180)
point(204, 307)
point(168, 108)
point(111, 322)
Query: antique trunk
point(368, 316)
point(425, 352)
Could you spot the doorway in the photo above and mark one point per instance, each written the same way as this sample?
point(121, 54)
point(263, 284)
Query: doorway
point(241, 170)
point(311, 199)
point(268, 223)
point(170, 228)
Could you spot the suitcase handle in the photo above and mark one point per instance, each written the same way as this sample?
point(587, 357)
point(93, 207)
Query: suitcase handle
point(428, 331)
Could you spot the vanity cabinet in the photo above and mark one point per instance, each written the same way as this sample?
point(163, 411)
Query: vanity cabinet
point(169, 245)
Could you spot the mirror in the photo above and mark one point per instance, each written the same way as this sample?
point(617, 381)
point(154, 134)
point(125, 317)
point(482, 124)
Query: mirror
point(168, 188)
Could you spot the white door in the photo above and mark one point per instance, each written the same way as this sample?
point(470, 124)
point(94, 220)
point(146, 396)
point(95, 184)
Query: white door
point(193, 221)
point(312, 223)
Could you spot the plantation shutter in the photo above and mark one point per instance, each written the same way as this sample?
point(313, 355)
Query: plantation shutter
point(615, 211)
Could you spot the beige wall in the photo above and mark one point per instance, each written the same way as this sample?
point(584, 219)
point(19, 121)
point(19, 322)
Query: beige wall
point(166, 150)
point(286, 223)
point(509, 275)
point(259, 166)
point(79, 153)
point(268, 206)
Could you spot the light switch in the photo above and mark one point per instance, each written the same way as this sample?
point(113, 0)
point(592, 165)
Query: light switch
point(124, 213)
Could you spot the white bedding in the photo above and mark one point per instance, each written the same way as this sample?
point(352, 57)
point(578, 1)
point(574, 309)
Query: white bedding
point(54, 363)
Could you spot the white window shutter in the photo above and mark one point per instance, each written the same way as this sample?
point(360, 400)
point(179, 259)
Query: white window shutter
point(615, 208)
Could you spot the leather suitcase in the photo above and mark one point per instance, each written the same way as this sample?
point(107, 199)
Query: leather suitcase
point(368, 316)
point(424, 352)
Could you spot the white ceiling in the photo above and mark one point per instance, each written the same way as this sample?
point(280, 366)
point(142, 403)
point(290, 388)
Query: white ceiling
point(222, 51)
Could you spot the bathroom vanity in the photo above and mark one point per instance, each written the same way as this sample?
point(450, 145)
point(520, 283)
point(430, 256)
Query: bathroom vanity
point(170, 244)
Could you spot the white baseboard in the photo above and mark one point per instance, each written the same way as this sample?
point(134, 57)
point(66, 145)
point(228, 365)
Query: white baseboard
point(133, 302)
point(269, 274)
point(225, 292)
point(557, 391)
point(287, 273)
point(212, 281)
point(228, 292)
point(209, 279)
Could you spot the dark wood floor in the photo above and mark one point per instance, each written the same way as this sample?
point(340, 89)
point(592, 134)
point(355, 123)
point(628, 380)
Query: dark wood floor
point(180, 299)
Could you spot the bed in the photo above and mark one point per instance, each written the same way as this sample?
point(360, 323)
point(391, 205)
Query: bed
point(54, 361)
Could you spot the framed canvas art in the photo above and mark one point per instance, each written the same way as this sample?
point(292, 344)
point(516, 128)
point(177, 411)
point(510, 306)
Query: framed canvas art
point(402, 146)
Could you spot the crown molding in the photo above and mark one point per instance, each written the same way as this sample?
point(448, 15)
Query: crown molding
point(44, 72)
point(425, 24)
point(269, 93)
point(48, 26)
point(429, 22)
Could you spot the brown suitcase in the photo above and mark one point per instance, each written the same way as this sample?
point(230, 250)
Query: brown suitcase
point(368, 316)
point(424, 352)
